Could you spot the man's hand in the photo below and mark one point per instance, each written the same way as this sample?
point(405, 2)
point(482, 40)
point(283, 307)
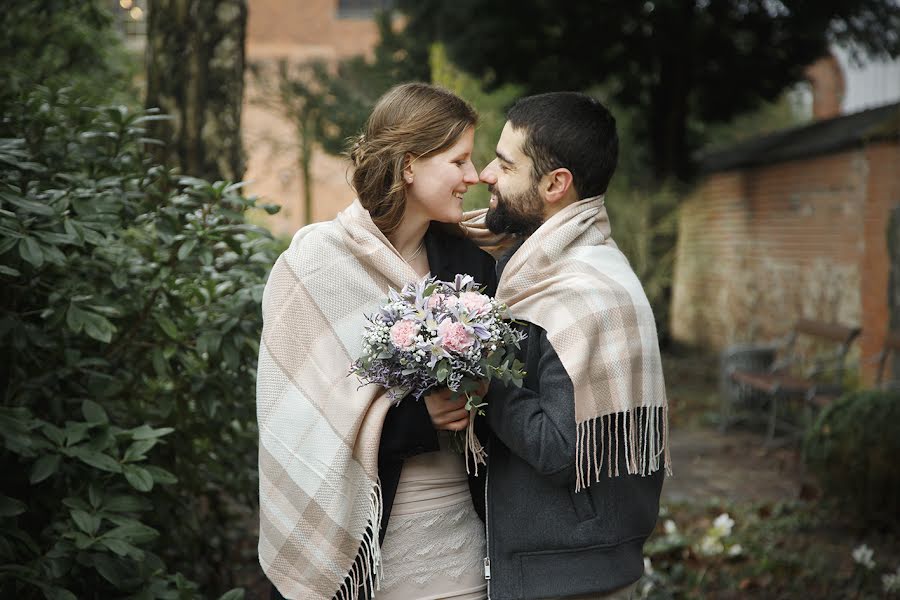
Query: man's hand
point(446, 413)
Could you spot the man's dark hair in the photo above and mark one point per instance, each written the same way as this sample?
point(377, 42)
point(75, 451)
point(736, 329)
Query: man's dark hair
point(571, 130)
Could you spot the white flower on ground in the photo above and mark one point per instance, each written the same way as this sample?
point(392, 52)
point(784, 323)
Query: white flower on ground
point(669, 527)
point(710, 545)
point(723, 525)
point(648, 566)
point(891, 581)
point(735, 550)
point(863, 555)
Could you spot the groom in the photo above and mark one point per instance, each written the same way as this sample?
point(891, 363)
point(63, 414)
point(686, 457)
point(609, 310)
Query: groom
point(578, 453)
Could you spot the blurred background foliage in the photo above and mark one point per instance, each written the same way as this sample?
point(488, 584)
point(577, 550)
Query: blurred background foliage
point(130, 323)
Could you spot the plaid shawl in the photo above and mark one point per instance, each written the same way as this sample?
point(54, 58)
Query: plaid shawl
point(320, 500)
point(570, 279)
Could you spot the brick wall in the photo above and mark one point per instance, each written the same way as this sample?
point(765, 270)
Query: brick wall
point(298, 32)
point(760, 247)
point(883, 195)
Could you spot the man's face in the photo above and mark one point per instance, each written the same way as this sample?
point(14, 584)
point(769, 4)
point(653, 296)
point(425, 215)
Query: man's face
point(516, 206)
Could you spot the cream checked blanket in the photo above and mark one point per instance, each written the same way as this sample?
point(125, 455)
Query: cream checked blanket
point(570, 279)
point(320, 501)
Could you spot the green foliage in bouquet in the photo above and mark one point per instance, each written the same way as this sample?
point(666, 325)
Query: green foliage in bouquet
point(852, 449)
point(130, 325)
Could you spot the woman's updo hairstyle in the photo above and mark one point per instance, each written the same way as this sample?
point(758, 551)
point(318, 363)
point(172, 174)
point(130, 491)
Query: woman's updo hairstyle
point(412, 118)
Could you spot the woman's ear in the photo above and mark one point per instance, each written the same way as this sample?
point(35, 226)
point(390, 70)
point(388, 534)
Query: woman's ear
point(408, 175)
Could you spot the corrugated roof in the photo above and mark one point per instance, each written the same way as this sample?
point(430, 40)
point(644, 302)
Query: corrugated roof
point(820, 137)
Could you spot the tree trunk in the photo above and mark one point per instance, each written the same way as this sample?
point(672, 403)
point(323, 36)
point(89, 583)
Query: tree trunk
point(306, 157)
point(893, 244)
point(195, 74)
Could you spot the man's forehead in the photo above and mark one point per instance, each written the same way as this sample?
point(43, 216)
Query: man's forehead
point(509, 146)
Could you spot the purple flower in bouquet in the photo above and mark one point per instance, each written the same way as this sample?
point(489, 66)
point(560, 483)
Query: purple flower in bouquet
point(435, 333)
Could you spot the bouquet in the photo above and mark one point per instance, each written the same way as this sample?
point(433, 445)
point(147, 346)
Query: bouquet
point(435, 333)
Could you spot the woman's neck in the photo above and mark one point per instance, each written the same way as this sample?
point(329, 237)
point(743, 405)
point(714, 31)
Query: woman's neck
point(409, 236)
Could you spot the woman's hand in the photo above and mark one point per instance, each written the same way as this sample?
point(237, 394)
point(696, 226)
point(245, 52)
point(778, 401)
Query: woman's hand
point(446, 413)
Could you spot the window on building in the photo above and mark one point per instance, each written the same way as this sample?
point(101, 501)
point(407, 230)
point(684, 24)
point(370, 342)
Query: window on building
point(361, 9)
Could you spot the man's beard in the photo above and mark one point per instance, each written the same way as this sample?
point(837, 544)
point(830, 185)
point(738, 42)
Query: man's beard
point(520, 215)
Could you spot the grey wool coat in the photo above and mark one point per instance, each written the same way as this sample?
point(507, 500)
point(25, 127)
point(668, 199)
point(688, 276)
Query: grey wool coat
point(544, 539)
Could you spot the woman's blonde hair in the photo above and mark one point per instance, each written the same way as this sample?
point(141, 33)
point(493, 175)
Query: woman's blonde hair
point(412, 118)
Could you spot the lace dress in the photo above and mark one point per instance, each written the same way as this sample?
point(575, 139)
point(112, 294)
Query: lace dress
point(434, 544)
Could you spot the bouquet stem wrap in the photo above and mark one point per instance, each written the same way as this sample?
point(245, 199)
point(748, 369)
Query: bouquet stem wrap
point(320, 500)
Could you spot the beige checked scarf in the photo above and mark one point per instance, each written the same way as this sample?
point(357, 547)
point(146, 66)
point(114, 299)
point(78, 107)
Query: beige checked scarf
point(570, 279)
point(320, 500)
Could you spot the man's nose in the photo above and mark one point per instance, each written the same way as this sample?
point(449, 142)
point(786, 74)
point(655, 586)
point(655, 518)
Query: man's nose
point(489, 173)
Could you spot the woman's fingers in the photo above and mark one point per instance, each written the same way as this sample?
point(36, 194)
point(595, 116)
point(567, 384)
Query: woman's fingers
point(451, 417)
point(458, 425)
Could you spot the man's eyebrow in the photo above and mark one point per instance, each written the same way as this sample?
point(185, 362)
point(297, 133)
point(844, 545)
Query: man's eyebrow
point(504, 158)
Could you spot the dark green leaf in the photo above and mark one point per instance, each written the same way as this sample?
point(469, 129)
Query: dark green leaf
point(138, 450)
point(44, 467)
point(186, 248)
point(58, 593)
point(139, 478)
point(95, 496)
point(30, 251)
point(87, 522)
point(145, 432)
point(4, 270)
point(28, 206)
point(98, 326)
point(122, 548)
point(112, 569)
point(98, 460)
point(123, 503)
point(75, 432)
point(233, 594)
point(168, 326)
point(136, 533)
point(10, 507)
point(161, 476)
point(93, 412)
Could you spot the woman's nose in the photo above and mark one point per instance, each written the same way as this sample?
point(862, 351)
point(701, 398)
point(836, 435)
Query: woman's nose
point(470, 176)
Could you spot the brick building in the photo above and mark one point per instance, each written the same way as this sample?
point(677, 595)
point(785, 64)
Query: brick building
point(299, 31)
point(791, 224)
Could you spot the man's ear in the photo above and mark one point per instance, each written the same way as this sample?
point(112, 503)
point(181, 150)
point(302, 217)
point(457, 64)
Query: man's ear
point(556, 184)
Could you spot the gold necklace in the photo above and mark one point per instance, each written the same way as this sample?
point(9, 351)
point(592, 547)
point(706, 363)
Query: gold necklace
point(416, 253)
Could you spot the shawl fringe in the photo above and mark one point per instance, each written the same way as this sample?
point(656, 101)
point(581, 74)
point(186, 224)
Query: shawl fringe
point(643, 434)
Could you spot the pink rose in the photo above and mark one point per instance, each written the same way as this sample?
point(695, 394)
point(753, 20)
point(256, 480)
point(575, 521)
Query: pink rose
point(435, 300)
point(403, 334)
point(454, 336)
point(474, 302)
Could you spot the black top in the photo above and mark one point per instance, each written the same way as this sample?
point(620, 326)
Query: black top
point(407, 428)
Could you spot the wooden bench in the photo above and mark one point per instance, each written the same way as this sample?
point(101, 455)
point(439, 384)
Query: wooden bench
point(811, 381)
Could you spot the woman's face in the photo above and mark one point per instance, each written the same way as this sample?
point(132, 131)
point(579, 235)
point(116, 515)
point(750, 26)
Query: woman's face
point(440, 180)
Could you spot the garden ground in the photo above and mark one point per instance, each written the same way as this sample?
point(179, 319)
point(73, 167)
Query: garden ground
point(791, 542)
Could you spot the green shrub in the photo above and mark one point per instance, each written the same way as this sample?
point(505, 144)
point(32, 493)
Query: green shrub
point(130, 325)
point(852, 448)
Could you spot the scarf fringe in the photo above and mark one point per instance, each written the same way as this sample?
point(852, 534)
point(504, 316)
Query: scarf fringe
point(643, 433)
point(366, 570)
